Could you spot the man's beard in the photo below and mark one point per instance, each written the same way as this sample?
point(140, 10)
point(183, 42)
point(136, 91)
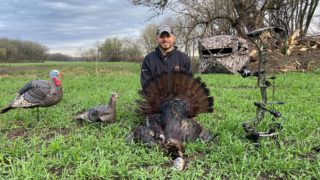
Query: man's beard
point(166, 48)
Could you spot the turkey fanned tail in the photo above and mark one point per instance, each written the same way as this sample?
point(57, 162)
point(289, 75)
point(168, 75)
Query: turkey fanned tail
point(180, 86)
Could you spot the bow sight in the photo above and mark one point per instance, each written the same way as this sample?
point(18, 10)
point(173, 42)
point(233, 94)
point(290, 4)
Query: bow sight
point(262, 39)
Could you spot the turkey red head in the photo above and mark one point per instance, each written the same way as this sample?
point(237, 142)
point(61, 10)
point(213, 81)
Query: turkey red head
point(56, 76)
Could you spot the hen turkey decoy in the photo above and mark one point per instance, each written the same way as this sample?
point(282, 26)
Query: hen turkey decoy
point(170, 102)
point(38, 93)
point(103, 113)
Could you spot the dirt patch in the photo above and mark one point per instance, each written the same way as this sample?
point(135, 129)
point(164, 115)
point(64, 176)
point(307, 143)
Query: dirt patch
point(18, 132)
point(58, 170)
point(52, 132)
point(316, 149)
point(19, 123)
point(198, 156)
point(310, 155)
point(268, 175)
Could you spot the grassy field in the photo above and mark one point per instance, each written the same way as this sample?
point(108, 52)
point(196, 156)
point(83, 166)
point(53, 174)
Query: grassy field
point(58, 148)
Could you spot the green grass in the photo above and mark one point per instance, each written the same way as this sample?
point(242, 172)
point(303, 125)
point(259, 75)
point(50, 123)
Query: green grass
point(58, 148)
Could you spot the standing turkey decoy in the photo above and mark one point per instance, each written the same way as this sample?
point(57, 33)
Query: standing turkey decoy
point(102, 113)
point(38, 93)
point(171, 103)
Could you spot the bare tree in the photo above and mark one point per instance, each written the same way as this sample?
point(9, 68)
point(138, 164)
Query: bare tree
point(97, 46)
point(3, 53)
point(157, 6)
point(293, 14)
point(125, 49)
point(91, 54)
point(212, 17)
point(81, 52)
point(111, 49)
point(22, 51)
point(317, 22)
point(148, 36)
point(309, 7)
point(132, 49)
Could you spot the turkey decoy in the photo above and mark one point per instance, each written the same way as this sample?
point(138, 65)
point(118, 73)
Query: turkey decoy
point(170, 102)
point(38, 93)
point(102, 113)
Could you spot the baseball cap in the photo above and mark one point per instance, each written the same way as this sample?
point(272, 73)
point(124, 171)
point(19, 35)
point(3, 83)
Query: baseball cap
point(164, 28)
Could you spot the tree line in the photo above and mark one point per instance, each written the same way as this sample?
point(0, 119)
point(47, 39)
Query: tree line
point(204, 18)
point(21, 51)
point(190, 20)
point(212, 17)
point(114, 49)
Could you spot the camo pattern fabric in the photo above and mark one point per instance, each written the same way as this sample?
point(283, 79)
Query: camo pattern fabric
point(216, 60)
point(231, 64)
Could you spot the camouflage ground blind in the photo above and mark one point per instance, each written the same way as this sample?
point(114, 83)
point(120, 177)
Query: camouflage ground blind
point(222, 54)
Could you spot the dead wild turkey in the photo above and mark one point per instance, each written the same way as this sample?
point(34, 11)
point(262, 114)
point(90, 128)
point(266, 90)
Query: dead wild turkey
point(38, 93)
point(170, 102)
point(103, 113)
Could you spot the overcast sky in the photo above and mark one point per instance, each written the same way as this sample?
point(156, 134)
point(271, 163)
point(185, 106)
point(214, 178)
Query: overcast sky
point(65, 25)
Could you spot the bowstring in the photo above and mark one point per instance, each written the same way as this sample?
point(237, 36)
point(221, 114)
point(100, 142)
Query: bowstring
point(273, 81)
point(273, 74)
point(286, 64)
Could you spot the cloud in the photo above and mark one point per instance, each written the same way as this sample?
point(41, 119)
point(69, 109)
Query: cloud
point(65, 25)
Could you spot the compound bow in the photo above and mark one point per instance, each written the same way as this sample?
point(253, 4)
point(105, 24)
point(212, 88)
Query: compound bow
point(263, 83)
